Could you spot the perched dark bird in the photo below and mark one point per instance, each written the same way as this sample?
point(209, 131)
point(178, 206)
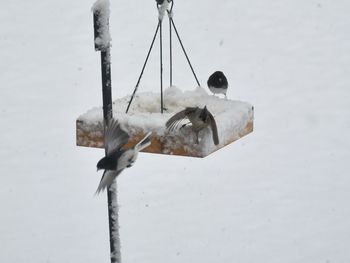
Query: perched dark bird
point(198, 117)
point(117, 159)
point(217, 83)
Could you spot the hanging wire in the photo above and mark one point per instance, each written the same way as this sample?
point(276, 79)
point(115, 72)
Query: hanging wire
point(183, 49)
point(159, 28)
point(170, 14)
point(143, 68)
point(170, 46)
point(161, 65)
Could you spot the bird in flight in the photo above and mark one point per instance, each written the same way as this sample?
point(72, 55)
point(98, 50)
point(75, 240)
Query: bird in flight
point(117, 158)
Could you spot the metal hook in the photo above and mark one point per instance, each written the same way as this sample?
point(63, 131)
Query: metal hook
point(172, 4)
point(160, 2)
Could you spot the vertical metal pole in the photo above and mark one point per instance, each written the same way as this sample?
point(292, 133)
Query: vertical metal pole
point(113, 219)
point(107, 115)
point(161, 66)
point(106, 85)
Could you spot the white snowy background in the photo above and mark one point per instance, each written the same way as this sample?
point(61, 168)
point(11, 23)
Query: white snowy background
point(279, 195)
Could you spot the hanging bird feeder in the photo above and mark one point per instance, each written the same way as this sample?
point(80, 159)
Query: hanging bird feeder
point(234, 119)
point(143, 112)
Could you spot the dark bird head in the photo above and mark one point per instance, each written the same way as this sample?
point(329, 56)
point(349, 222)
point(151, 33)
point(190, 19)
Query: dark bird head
point(106, 163)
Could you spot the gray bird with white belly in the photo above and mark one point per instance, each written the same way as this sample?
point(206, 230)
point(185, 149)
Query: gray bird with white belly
point(200, 118)
point(117, 158)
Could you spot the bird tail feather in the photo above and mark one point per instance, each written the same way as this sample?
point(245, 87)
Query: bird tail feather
point(106, 180)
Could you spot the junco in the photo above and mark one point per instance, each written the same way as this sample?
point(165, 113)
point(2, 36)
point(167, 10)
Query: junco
point(217, 83)
point(117, 159)
point(200, 118)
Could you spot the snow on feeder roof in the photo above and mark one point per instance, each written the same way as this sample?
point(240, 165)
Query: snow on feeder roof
point(234, 119)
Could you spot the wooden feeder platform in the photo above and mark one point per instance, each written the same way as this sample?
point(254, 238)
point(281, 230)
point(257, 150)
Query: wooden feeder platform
point(234, 120)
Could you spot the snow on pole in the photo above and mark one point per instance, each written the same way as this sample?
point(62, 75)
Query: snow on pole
point(114, 238)
point(101, 12)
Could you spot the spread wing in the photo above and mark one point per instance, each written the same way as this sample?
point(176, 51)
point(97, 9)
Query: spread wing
point(214, 129)
point(174, 121)
point(115, 136)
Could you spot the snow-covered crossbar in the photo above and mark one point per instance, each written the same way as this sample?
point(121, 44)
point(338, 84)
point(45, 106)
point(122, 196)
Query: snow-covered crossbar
point(234, 120)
